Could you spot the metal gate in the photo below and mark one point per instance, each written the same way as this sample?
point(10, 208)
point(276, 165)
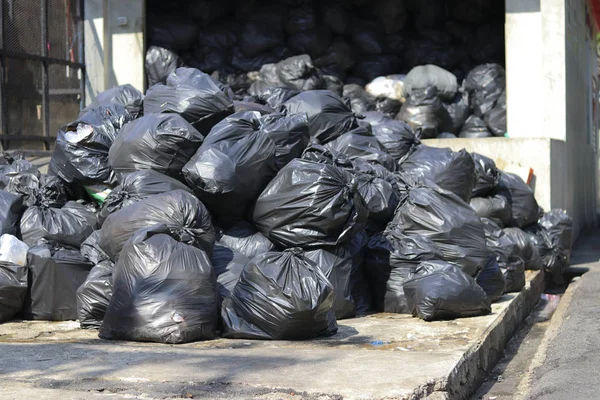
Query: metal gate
point(42, 69)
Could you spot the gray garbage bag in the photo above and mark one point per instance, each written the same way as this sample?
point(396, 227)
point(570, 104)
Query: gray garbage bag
point(474, 127)
point(280, 296)
point(310, 204)
point(485, 84)
point(164, 291)
point(160, 63)
point(424, 76)
point(437, 290)
point(125, 95)
point(228, 265)
point(161, 142)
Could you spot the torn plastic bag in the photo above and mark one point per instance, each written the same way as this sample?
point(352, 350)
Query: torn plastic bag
point(12, 250)
point(69, 225)
point(474, 127)
point(310, 205)
point(424, 110)
point(81, 150)
point(94, 295)
point(424, 76)
point(496, 117)
point(11, 206)
point(239, 158)
point(360, 143)
point(450, 170)
point(136, 187)
point(458, 110)
point(390, 257)
point(125, 95)
point(13, 289)
point(484, 83)
point(396, 136)
point(280, 296)
point(162, 142)
point(491, 280)
point(524, 208)
point(228, 265)
point(528, 251)
point(328, 116)
point(56, 273)
point(343, 265)
point(245, 239)
point(438, 291)
point(488, 175)
point(495, 208)
point(380, 198)
point(191, 94)
point(183, 213)
point(449, 222)
point(160, 63)
point(164, 291)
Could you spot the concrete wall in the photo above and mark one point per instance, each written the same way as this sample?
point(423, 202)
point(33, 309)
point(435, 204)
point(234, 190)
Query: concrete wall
point(114, 44)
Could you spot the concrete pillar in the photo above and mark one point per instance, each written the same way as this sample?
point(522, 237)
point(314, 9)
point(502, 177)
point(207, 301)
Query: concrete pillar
point(114, 44)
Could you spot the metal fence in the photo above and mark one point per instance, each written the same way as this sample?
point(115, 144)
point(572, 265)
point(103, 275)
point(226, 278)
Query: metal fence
point(42, 70)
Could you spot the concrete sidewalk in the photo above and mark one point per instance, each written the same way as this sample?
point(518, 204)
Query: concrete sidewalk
point(378, 356)
point(570, 358)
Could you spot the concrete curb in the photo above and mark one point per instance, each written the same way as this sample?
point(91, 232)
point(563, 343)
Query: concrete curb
point(469, 373)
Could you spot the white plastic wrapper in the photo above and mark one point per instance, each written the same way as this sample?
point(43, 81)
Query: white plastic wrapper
point(13, 250)
point(391, 86)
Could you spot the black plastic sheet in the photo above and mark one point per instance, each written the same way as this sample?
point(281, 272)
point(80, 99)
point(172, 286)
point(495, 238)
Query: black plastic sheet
point(13, 289)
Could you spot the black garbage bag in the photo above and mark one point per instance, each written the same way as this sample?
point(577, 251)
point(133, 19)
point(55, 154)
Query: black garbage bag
point(94, 295)
point(296, 73)
point(258, 37)
point(161, 142)
point(424, 110)
point(163, 291)
point(11, 206)
point(396, 136)
point(524, 208)
point(336, 15)
point(81, 150)
point(280, 296)
point(300, 19)
point(552, 237)
point(438, 290)
point(228, 265)
point(488, 175)
point(19, 176)
point(310, 205)
point(425, 76)
point(191, 94)
point(244, 238)
point(484, 84)
point(343, 266)
point(242, 106)
point(458, 111)
point(136, 187)
point(369, 67)
point(51, 192)
point(360, 101)
point(334, 84)
point(508, 255)
point(243, 63)
point(381, 200)
point(360, 143)
point(496, 117)
point(314, 43)
point(392, 15)
point(178, 34)
point(389, 107)
point(450, 170)
point(91, 250)
point(339, 58)
point(390, 257)
point(13, 289)
point(69, 225)
point(367, 37)
point(239, 158)
point(55, 274)
point(495, 208)
point(125, 95)
point(276, 96)
point(474, 127)
point(160, 63)
point(491, 280)
point(328, 115)
point(527, 249)
point(179, 210)
point(449, 222)
point(446, 135)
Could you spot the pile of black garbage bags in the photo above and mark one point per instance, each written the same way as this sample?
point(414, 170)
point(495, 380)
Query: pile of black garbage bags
point(447, 54)
point(182, 215)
